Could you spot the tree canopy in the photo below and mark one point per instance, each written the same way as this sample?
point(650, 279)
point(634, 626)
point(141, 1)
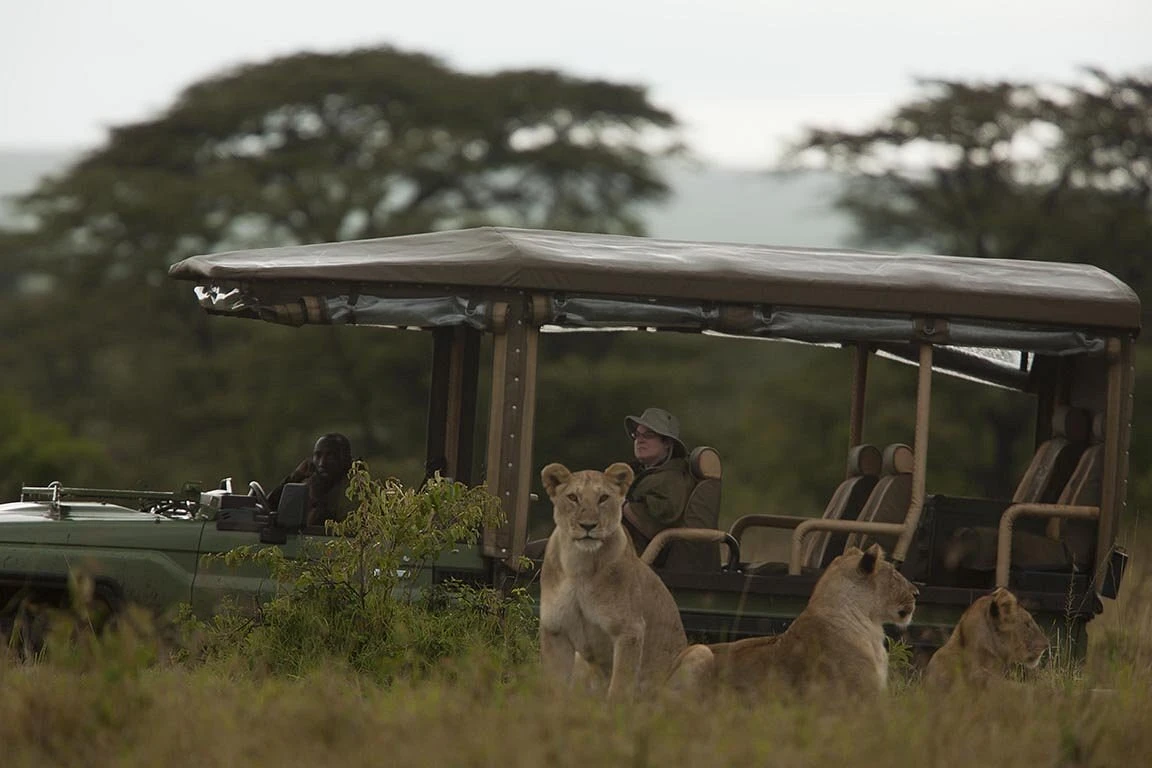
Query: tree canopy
point(306, 148)
point(1007, 170)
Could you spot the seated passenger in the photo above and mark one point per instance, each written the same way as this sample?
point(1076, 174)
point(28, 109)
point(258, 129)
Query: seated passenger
point(659, 493)
point(326, 474)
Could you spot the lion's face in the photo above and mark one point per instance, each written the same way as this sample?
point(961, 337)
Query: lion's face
point(586, 505)
point(1015, 636)
point(874, 584)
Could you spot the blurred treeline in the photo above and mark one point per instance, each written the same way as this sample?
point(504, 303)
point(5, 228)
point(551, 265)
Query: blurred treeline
point(112, 375)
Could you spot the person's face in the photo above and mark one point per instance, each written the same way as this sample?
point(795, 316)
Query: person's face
point(327, 459)
point(648, 446)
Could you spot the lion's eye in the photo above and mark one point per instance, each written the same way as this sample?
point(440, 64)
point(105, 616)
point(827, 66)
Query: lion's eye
point(573, 497)
point(603, 498)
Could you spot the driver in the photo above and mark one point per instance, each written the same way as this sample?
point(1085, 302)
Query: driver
point(326, 474)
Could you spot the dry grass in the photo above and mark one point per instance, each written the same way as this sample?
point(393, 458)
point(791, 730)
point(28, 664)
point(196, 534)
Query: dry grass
point(107, 707)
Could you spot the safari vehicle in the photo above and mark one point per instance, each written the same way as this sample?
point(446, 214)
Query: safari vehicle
point(1062, 333)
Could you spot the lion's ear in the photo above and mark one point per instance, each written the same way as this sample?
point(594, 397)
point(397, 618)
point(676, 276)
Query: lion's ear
point(874, 555)
point(620, 474)
point(853, 550)
point(554, 475)
point(1002, 604)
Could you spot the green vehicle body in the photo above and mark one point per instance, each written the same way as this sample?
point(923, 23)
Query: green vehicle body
point(154, 559)
point(1061, 333)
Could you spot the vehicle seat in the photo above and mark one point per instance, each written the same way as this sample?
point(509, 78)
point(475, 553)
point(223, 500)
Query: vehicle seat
point(1083, 489)
point(889, 500)
point(702, 510)
point(1055, 458)
point(1073, 545)
point(865, 463)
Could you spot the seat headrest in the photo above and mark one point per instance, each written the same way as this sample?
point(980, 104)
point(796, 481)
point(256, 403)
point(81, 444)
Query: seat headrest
point(1098, 427)
point(865, 460)
point(704, 463)
point(1072, 423)
point(898, 459)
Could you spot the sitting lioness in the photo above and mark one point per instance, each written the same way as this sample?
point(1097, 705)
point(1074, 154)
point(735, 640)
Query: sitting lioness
point(837, 641)
point(596, 597)
point(994, 633)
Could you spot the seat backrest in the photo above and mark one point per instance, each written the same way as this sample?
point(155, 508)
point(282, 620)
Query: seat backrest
point(1055, 458)
point(701, 511)
point(1083, 489)
point(889, 500)
point(864, 466)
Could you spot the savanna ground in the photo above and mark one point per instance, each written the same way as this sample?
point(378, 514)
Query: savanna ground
point(467, 692)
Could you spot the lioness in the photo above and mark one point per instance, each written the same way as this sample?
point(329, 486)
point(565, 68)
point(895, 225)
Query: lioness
point(994, 633)
point(836, 641)
point(596, 597)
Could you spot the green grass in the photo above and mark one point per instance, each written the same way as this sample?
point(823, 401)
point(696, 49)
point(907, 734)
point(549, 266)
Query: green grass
point(120, 701)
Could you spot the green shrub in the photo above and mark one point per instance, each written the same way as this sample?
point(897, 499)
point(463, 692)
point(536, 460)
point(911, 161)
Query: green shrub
point(362, 599)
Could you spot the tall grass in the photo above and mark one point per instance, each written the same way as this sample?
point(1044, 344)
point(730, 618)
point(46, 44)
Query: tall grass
point(118, 700)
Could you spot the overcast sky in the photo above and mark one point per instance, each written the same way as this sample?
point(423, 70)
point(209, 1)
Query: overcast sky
point(743, 75)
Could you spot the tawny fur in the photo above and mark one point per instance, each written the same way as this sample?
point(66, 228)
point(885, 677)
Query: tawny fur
point(597, 599)
point(837, 641)
point(993, 634)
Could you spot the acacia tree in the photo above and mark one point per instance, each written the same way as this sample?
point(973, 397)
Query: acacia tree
point(1007, 170)
point(306, 148)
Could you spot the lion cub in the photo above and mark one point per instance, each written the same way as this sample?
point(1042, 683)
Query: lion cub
point(596, 598)
point(994, 633)
point(837, 641)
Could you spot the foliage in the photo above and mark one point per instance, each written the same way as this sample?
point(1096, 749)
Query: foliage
point(363, 597)
point(1007, 170)
point(36, 449)
point(303, 148)
point(113, 698)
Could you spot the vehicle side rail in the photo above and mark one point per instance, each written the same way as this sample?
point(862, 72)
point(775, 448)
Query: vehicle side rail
point(764, 521)
point(810, 525)
point(707, 535)
point(1008, 521)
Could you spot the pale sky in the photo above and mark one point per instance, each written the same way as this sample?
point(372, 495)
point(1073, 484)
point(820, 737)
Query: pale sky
point(742, 75)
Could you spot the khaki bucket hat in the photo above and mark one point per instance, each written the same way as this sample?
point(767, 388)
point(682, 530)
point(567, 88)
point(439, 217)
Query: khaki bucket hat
point(662, 423)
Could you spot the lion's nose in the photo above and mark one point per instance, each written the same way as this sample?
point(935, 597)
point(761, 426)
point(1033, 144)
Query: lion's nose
point(588, 526)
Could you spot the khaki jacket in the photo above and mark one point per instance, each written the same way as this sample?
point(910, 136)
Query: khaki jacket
point(658, 496)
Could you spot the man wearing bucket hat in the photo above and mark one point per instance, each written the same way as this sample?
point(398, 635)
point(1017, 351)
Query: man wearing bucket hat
point(663, 481)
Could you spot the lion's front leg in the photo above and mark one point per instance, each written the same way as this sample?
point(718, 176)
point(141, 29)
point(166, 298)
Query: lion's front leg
point(627, 654)
point(557, 655)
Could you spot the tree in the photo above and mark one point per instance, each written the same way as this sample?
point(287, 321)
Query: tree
point(1006, 170)
point(306, 148)
point(1009, 170)
point(37, 450)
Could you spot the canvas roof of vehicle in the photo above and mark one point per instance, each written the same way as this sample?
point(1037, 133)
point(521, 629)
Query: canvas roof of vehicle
point(1077, 295)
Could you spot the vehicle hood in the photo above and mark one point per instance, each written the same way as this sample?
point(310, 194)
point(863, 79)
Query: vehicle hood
point(32, 511)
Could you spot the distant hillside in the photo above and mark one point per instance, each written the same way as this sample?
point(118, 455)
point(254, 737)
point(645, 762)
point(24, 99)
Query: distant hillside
point(707, 203)
point(751, 207)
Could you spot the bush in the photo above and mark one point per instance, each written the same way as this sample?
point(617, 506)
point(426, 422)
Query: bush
point(362, 598)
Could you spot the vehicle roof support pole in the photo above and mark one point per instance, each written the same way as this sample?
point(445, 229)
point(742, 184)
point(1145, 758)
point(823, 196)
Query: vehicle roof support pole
point(860, 356)
point(919, 454)
point(510, 425)
point(1117, 424)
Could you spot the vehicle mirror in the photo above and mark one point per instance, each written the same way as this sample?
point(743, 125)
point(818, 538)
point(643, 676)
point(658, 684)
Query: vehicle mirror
point(292, 510)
